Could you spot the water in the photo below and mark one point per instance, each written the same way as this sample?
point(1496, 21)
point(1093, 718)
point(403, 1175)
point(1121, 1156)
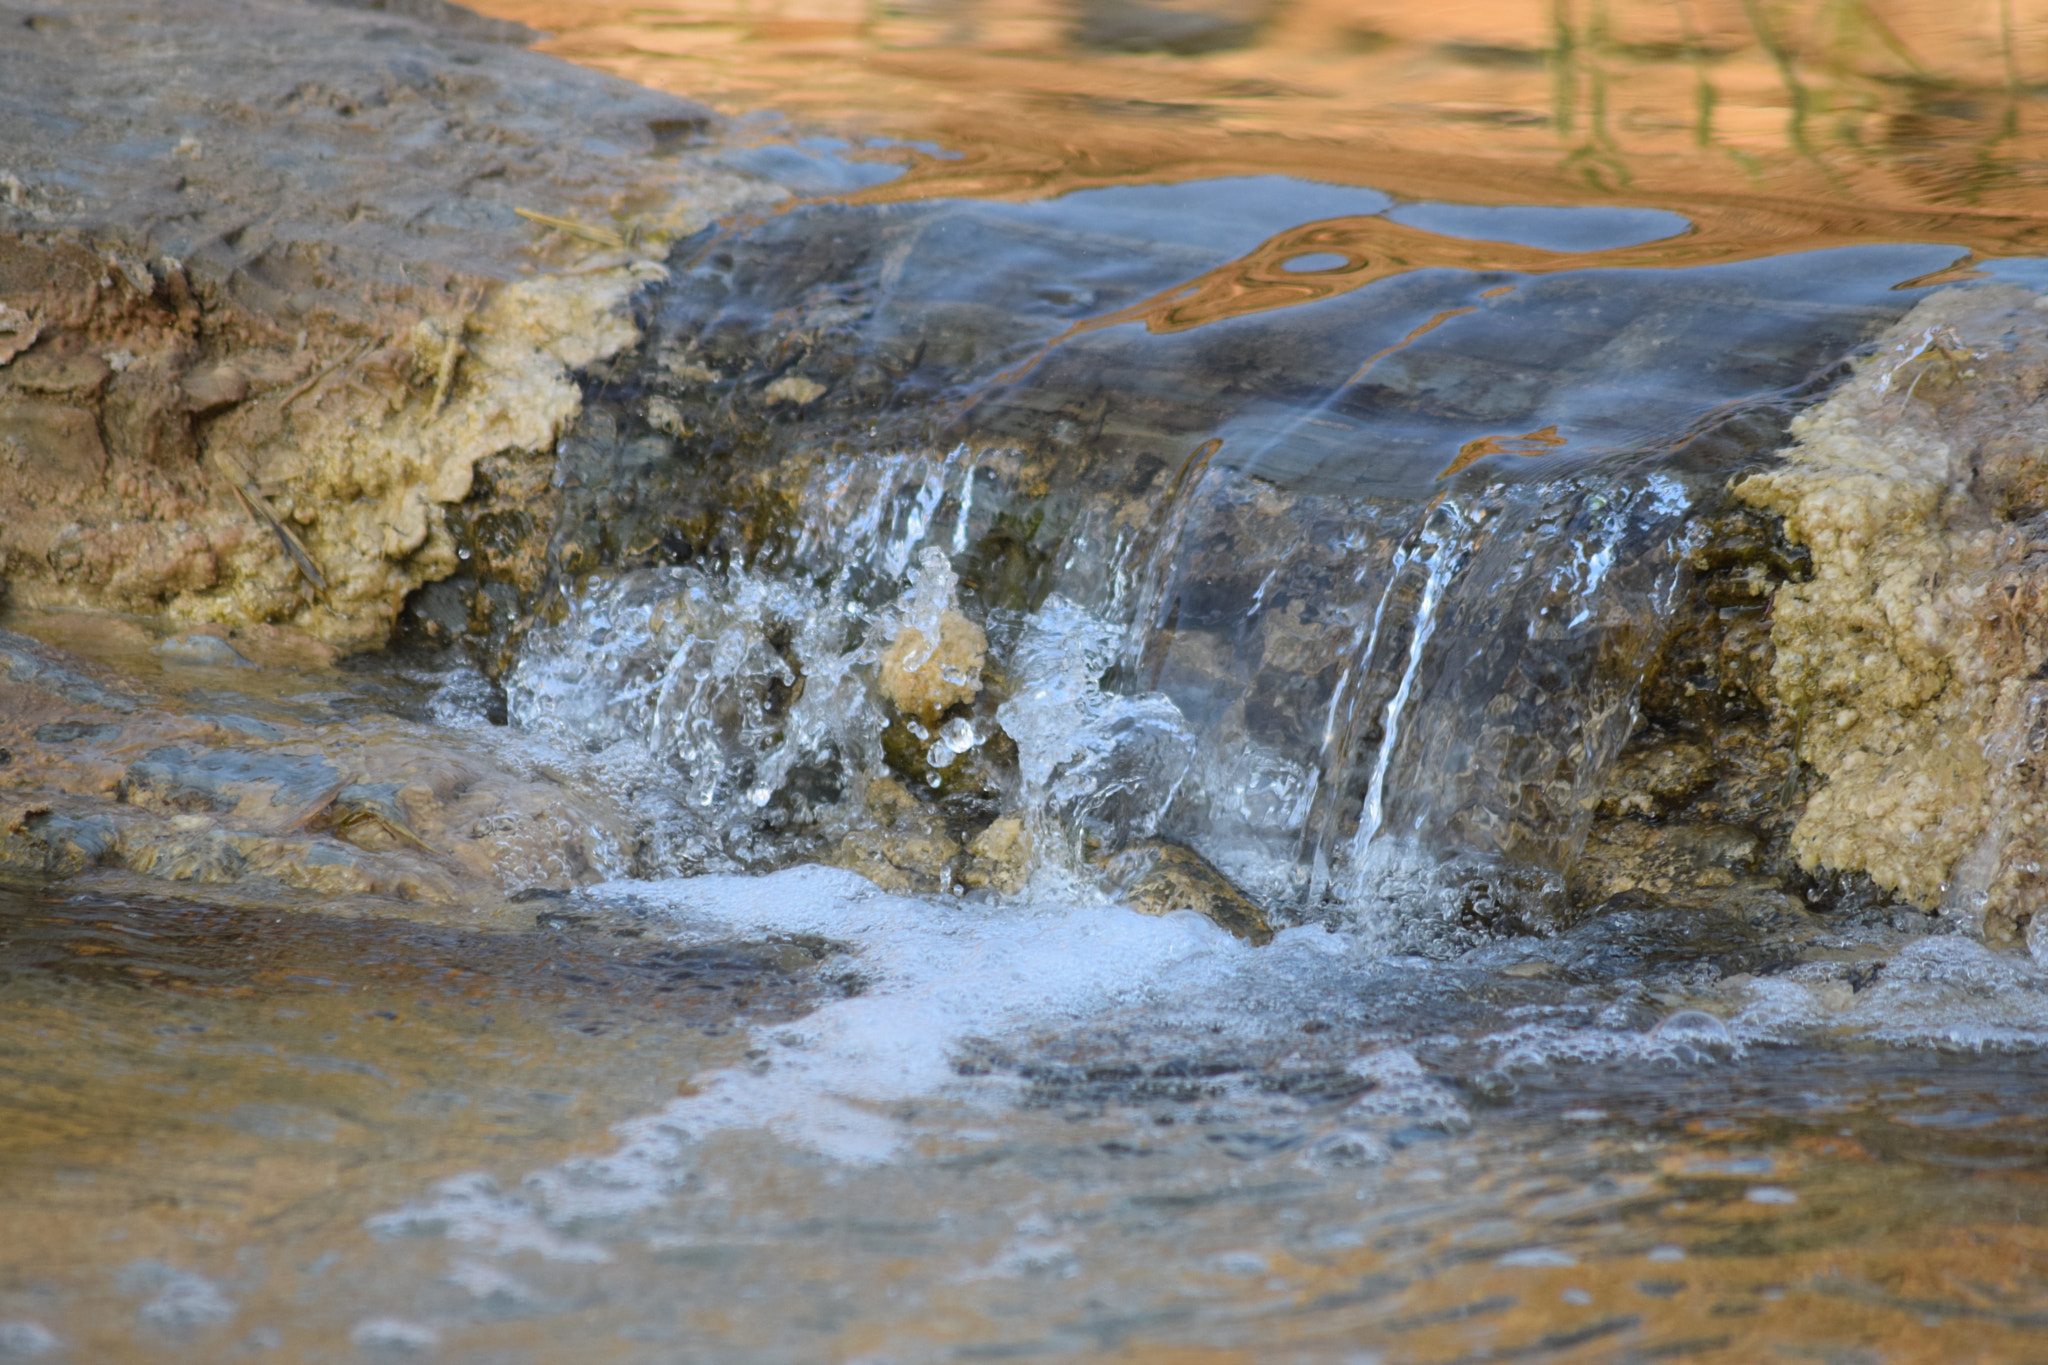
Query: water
point(1265, 467)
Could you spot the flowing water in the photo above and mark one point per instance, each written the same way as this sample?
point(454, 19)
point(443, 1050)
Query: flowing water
point(1243, 457)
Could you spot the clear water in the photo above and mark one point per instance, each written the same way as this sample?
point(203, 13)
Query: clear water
point(1314, 517)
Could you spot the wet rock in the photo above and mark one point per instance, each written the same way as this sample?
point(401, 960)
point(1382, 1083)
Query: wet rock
point(1158, 878)
point(1636, 934)
point(999, 857)
point(1912, 659)
point(1649, 780)
point(1699, 805)
point(31, 663)
point(278, 791)
point(925, 678)
point(206, 650)
point(903, 846)
point(1678, 864)
point(345, 802)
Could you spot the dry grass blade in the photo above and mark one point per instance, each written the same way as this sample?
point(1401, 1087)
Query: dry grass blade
point(601, 236)
point(451, 355)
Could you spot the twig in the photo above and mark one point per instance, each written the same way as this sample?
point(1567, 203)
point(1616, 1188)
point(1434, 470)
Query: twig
point(259, 507)
point(300, 392)
point(451, 356)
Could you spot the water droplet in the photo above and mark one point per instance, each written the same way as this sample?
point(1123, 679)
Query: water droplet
point(958, 735)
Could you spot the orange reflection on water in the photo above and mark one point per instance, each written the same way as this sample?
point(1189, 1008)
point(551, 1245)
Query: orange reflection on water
point(1794, 124)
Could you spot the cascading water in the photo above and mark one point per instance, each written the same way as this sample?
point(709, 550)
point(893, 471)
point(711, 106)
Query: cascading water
point(1389, 680)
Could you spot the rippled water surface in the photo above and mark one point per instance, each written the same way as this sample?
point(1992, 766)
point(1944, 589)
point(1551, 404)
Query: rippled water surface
point(1267, 439)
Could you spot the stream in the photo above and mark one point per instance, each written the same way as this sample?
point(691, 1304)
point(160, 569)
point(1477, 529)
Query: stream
point(1079, 777)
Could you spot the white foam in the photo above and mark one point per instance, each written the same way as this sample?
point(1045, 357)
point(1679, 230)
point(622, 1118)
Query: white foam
point(942, 973)
point(939, 972)
point(1946, 991)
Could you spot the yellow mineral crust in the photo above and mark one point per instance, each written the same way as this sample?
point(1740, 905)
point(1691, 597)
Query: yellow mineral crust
point(367, 490)
point(1910, 658)
point(299, 483)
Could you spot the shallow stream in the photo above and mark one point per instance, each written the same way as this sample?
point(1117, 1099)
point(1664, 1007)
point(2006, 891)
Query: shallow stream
point(1243, 464)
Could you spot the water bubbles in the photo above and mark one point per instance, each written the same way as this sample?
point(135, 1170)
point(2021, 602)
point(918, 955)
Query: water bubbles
point(1695, 1035)
point(911, 724)
point(183, 1300)
point(1348, 1148)
point(738, 686)
point(24, 1340)
point(1103, 765)
point(394, 1336)
point(933, 589)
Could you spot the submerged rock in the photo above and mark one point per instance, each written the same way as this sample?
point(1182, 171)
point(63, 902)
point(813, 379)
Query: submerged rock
point(901, 846)
point(1158, 878)
point(321, 795)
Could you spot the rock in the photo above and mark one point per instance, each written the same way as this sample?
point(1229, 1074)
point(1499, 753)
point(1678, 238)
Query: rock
point(1000, 857)
point(106, 780)
point(251, 392)
point(905, 848)
point(1912, 658)
point(18, 332)
point(1678, 864)
point(1158, 878)
point(1649, 780)
point(210, 390)
point(793, 388)
point(923, 679)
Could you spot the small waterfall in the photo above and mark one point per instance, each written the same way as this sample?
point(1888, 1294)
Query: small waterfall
point(1442, 542)
point(1217, 585)
point(1308, 689)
